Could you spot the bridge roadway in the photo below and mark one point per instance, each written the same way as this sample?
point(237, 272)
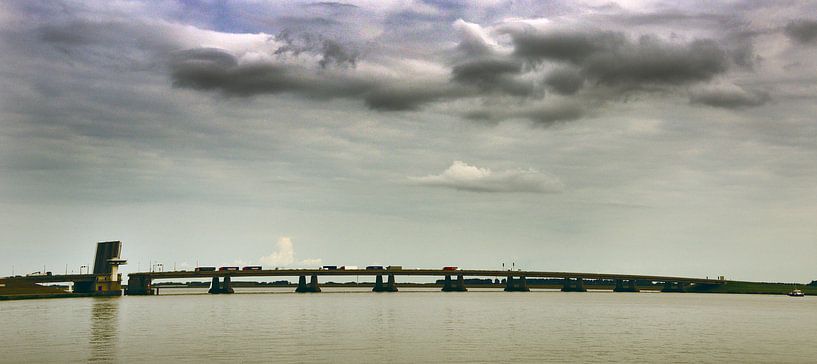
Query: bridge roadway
point(140, 283)
point(418, 272)
point(57, 278)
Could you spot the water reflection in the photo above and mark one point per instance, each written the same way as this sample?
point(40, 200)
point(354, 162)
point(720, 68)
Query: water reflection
point(104, 328)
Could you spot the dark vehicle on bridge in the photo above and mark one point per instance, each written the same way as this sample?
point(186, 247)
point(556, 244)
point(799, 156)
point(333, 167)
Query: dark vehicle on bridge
point(374, 267)
point(450, 268)
point(252, 267)
point(38, 274)
point(330, 267)
point(205, 269)
point(227, 268)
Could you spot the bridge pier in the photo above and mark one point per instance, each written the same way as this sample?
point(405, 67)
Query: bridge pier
point(227, 286)
point(628, 286)
point(678, 287)
point(223, 288)
point(138, 285)
point(311, 287)
point(215, 286)
point(390, 286)
point(574, 285)
point(454, 286)
point(516, 284)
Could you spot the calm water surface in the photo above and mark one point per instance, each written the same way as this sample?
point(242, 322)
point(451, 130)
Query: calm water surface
point(345, 325)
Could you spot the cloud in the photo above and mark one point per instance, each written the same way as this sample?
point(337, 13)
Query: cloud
point(728, 96)
point(473, 40)
point(331, 51)
point(611, 58)
point(565, 80)
point(651, 61)
point(562, 46)
point(492, 74)
point(216, 69)
point(545, 113)
point(462, 176)
point(284, 255)
point(507, 76)
point(802, 31)
point(331, 4)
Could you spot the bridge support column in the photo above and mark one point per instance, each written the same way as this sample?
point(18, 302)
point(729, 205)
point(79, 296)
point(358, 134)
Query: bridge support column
point(138, 285)
point(516, 284)
point(625, 286)
point(379, 286)
point(311, 287)
point(221, 288)
point(227, 286)
point(215, 286)
point(679, 287)
point(454, 286)
point(574, 285)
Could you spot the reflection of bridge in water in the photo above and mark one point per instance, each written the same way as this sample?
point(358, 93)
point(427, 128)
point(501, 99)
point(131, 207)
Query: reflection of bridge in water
point(454, 280)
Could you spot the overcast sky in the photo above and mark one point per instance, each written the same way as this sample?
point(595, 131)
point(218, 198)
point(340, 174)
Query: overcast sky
point(623, 137)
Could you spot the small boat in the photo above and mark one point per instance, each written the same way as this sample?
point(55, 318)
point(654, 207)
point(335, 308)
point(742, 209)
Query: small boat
point(796, 293)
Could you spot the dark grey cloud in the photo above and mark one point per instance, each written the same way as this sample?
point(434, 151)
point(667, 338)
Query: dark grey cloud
point(591, 68)
point(803, 31)
point(610, 58)
point(215, 69)
point(485, 70)
point(651, 61)
point(569, 47)
point(564, 80)
point(492, 74)
point(729, 97)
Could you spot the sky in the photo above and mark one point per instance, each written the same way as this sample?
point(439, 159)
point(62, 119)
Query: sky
point(658, 137)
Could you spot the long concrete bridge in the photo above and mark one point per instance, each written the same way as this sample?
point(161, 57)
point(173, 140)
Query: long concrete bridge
point(106, 280)
point(516, 281)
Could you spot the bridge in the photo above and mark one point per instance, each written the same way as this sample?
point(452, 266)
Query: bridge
point(515, 280)
point(106, 280)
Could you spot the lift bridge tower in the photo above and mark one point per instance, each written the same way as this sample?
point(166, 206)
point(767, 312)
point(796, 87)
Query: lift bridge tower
point(107, 279)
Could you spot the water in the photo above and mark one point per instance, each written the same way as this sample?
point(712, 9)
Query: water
point(345, 325)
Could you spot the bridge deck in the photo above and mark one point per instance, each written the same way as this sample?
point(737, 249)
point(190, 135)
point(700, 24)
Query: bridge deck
point(57, 278)
point(416, 272)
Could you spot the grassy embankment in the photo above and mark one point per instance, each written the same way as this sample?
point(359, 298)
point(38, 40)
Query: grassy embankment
point(23, 290)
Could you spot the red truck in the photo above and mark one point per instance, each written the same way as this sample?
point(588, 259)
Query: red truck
point(449, 268)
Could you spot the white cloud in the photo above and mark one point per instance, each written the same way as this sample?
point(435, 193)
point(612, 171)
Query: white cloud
point(284, 255)
point(463, 176)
